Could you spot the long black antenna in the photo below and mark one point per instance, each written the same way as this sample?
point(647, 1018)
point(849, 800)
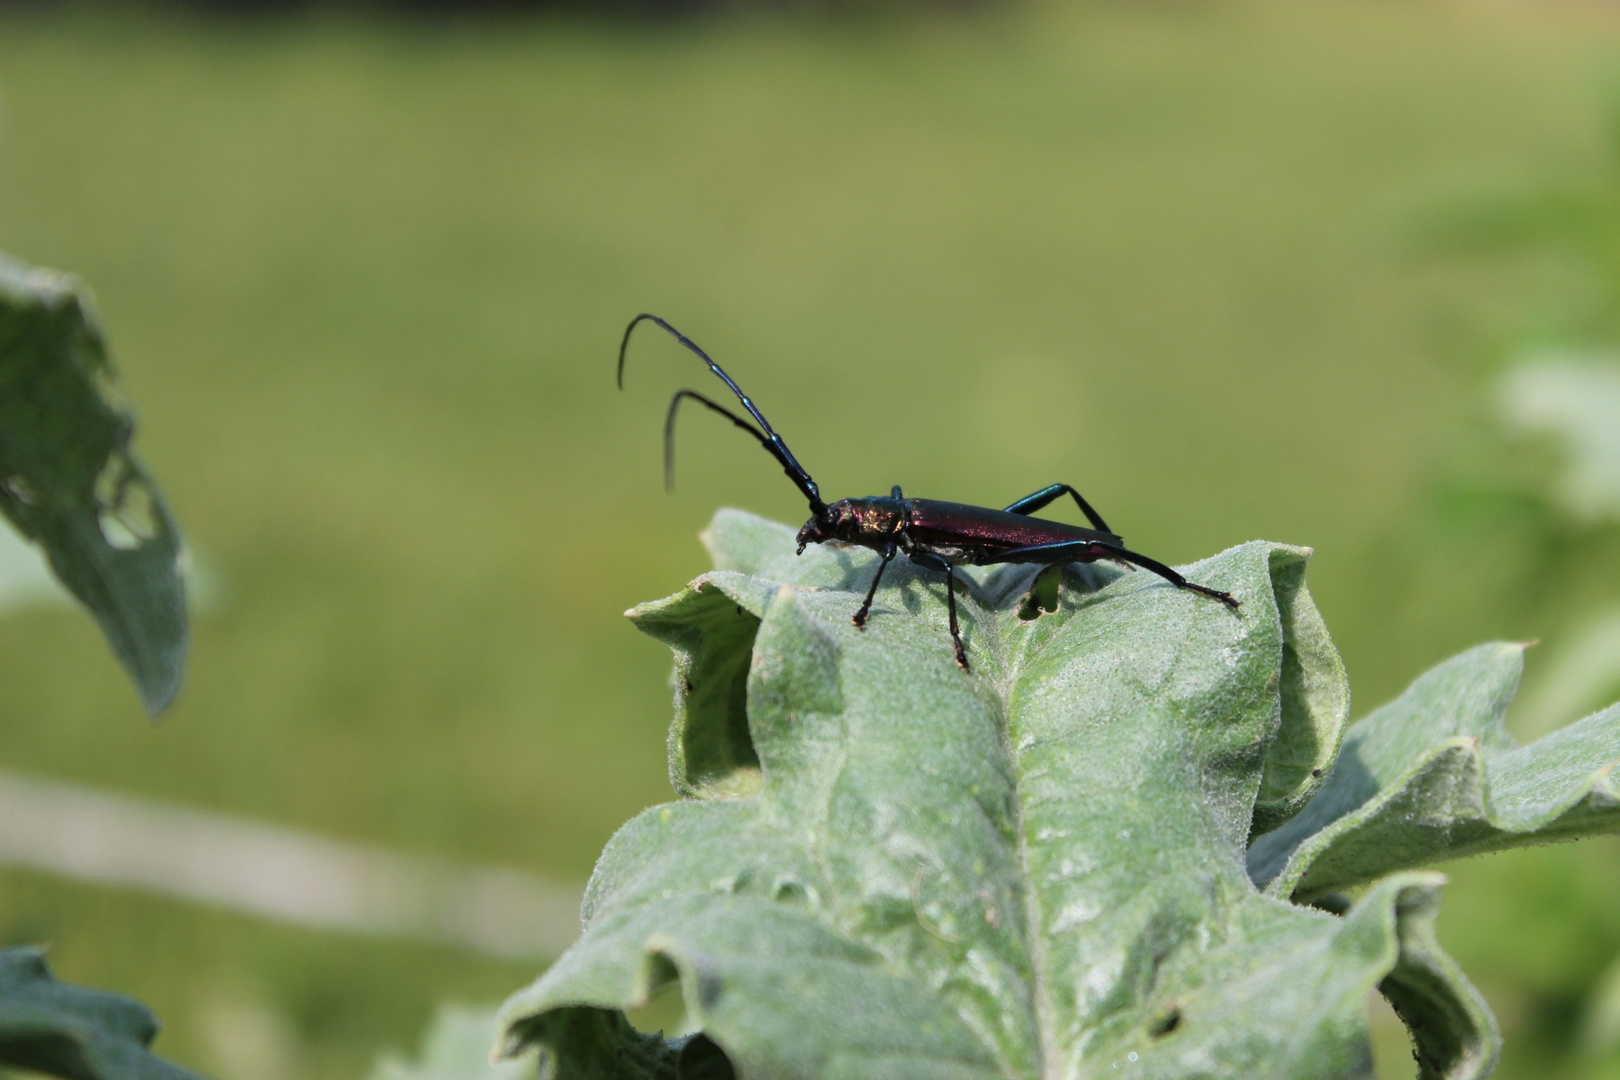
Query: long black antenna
point(769, 439)
point(669, 430)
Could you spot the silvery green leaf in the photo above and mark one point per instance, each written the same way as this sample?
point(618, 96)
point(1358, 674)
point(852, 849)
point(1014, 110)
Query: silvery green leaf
point(888, 867)
point(1434, 775)
point(68, 1031)
point(70, 483)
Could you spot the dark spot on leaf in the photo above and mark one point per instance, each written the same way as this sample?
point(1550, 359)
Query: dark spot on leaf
point(1166, 1023)
point(790, 891)
point(708, 988)
point(688, 684)
point(1316, 772)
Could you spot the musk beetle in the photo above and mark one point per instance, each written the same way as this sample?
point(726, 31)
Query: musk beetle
point(934, 534)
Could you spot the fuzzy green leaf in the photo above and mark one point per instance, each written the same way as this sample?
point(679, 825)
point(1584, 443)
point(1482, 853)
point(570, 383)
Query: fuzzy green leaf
point(1434, 775)
point(69, 482)
point(889, 867)
point(68, 1031)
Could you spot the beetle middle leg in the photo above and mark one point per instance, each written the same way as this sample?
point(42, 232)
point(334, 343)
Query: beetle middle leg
point(934, 562)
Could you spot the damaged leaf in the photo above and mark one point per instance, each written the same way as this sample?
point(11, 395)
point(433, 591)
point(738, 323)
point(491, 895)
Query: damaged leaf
point(70, 483)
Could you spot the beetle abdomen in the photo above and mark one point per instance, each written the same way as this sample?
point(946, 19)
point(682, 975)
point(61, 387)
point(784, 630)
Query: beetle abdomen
point(962, 533)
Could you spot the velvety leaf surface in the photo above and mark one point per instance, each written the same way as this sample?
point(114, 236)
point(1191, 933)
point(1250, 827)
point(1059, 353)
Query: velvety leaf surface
point(69, 482)
point(68, 1031)
point(1434, 775)
point(889, 867)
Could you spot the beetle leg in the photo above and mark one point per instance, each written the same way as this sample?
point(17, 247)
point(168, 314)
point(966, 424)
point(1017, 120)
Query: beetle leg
point(1092, 550)
point(950, 604)
point(934, 562)
point(866, 605)
point(888, 553)
point(1043, 498)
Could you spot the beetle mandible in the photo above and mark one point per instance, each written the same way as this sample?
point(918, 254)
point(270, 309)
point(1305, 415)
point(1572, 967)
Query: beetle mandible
point(934, 534)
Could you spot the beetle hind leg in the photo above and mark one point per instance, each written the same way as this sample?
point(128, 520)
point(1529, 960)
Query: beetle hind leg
point(1093, 550)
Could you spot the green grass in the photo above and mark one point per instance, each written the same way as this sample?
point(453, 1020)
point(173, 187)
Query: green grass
point(365, 281)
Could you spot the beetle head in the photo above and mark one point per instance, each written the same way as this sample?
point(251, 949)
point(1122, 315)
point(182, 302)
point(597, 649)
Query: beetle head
point(835, 522)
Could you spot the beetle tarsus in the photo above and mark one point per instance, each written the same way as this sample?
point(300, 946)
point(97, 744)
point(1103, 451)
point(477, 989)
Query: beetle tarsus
point(889, 550)
point(1224, 597)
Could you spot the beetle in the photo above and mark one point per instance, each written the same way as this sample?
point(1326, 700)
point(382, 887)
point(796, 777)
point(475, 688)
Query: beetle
point(933, 534)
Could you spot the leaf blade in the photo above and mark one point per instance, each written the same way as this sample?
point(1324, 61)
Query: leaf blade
point(72, 1032)
point(1051, 850)
point(69, 482)
point(1434, 775)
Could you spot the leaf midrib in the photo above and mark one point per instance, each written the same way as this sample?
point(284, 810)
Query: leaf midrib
point(1013, 663)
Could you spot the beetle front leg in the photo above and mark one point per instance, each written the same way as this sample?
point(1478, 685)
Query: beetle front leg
point(866, 605)
point(888, 553)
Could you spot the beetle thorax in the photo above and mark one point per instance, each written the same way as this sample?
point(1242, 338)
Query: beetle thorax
point(871, 523)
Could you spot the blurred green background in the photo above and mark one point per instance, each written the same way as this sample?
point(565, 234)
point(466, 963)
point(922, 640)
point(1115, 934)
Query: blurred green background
point(365, 277)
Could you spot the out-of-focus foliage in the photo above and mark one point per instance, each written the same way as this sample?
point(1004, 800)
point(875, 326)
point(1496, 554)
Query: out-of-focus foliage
point(1576, 403)
point(1527, 505)
point(646, 9)
point(70, 483)
point(68, 1031)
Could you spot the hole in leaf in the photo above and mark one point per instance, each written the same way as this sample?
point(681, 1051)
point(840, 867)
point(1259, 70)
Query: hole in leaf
point(127, 510)
point(1167, 1022)
point(701, 1059)
point(1043, 594)
point(665, 1010)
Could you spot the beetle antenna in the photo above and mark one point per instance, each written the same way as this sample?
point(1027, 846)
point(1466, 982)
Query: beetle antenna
point(766, 435)
point(669, 432)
